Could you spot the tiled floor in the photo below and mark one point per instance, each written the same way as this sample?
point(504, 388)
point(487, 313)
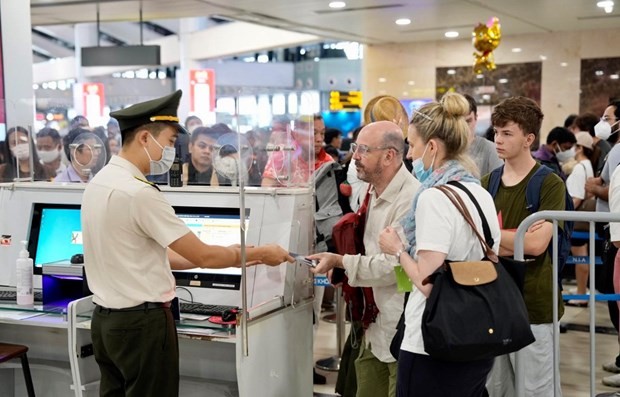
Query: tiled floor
point(574, 352)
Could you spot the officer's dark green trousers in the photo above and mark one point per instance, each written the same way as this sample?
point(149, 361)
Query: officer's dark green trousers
point(137, 352)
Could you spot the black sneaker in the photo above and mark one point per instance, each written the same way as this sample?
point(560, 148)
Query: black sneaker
point(318, 378)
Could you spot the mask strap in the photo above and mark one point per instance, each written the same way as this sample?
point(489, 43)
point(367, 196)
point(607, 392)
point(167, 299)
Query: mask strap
point(160, 146)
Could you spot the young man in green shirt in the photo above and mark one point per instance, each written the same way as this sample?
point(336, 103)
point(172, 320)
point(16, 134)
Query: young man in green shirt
point(516, 122)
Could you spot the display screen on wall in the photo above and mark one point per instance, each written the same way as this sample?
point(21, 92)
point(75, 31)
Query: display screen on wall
point(599, 84)
point(488, 89)
point(412, 104)
point(345, 121)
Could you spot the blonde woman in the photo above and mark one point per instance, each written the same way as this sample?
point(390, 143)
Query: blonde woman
point(435, 231)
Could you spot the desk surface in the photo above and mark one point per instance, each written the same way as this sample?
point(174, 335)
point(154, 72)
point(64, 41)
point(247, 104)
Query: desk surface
point(56, 317)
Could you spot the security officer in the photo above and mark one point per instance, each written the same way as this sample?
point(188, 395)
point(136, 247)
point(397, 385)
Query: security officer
point(132, 239)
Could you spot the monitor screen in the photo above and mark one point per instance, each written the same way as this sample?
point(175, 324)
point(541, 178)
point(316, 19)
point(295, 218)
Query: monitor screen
point(55, 234)
point(213, 226)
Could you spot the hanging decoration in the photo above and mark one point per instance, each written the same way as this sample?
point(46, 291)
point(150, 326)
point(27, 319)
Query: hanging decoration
point(485, 39)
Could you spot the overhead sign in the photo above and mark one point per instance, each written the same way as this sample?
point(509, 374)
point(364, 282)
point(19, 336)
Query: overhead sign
point(340, 100)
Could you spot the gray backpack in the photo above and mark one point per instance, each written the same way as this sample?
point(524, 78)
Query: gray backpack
point(329, 204)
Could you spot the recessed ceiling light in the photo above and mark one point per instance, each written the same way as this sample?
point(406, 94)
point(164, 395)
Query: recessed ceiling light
point(451, 71)
point(607, 5)
point(403, 21)
point(451, 34)
point(517, 49)
point(564, 64)
point(382, 79)
point(543, 58)
point(316, 59)
point(337, 4)
point(599, 73)
point(411, 82)
point(613, 76)
point(502, 81)
point(405, 93)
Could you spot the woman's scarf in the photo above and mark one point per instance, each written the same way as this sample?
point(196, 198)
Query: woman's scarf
point(452, 170)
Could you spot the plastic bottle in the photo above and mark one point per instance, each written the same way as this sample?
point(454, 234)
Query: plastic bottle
point(25, 295)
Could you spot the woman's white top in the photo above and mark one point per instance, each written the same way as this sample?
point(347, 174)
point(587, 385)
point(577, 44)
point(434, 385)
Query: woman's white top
point(576, 182)
point(440, 227)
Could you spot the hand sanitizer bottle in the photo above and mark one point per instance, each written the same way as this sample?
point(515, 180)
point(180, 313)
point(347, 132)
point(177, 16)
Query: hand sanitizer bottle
point(25, 295)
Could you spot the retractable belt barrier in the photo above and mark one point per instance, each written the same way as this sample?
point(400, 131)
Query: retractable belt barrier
point(554, 217)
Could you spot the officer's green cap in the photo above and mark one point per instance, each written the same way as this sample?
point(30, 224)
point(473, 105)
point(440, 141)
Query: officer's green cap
point(160, 110)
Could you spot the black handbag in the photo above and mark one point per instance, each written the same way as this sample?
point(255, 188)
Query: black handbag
point(475, 310)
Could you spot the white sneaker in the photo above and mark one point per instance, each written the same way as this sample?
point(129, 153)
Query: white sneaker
point(611, 367)
point(613, 380)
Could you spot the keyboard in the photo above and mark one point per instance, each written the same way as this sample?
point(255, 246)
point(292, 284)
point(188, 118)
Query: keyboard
point(12, 296)
point(203, 308)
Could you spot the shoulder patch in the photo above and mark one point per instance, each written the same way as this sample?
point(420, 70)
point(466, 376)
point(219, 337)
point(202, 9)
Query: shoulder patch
point(148, 183)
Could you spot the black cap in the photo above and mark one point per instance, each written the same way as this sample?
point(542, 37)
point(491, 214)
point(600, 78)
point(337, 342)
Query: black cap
point(160, 110)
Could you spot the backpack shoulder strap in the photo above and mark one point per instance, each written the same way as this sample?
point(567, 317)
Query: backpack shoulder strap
point(495, 179)
point(532, 190)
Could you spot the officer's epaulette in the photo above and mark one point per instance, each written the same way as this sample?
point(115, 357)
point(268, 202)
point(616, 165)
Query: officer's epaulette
point(148, 183)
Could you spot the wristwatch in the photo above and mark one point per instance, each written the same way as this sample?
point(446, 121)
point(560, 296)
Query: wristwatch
point(398, 254)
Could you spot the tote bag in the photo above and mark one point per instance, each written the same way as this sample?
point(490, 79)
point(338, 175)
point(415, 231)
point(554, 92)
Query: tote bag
point(475, 310)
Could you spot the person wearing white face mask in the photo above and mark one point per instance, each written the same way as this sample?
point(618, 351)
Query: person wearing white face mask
point(18, 153)
point(606, 129)
point(49, 147)
point(132, 239)
point(557, 150)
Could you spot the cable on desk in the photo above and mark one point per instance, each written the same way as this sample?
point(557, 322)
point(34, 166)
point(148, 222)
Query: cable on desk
point(191, 297)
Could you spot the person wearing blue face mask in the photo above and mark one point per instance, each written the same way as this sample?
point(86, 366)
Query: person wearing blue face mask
point(132, 239)
point(434, 231)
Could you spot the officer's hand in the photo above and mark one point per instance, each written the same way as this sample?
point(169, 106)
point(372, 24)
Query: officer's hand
point(273, 255)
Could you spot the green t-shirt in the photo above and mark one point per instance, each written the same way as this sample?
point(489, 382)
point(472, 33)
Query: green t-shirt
point(511, 203)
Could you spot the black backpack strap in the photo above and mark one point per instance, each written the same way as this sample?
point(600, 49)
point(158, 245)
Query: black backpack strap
point(485, 225)
point(495, 179)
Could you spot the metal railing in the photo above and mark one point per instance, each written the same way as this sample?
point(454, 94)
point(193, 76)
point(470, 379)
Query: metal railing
point(555, 216)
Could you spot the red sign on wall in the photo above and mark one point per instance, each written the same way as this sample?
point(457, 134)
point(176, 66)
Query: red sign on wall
point(201, 90)
point(93, 100)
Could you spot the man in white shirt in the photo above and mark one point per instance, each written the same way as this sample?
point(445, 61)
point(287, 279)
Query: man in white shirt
point(378, 158)
point(130, 231)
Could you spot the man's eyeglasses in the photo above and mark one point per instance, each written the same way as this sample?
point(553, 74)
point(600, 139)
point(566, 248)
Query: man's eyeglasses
point(609, 119)
point(364, 149)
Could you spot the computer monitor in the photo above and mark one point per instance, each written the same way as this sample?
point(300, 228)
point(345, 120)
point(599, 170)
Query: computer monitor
point(55, 234)
point(213, 226)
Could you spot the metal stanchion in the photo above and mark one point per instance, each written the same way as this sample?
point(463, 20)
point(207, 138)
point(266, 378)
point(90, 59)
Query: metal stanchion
point(333, 317)
point(333, 363)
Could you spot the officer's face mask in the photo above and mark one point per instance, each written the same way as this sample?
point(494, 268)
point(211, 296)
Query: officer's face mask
point(163, 165)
